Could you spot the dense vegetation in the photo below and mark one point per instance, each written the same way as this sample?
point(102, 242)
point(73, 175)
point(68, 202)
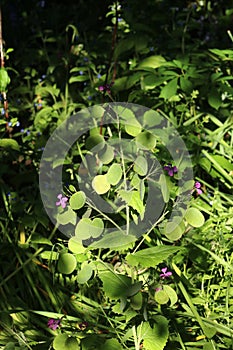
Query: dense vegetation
point(64, 284)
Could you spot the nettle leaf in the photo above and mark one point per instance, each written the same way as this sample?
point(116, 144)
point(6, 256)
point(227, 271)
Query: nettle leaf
point(77, 200)
point(169, 89)
point(156, 337)
point(133, 200)
point(87, 228)
point(151, 257)
point(140, 166)
point(115, 286)
point(100, 184)
point(68, 216)
point(194, 217)
point(66, 263)
point(114, 174)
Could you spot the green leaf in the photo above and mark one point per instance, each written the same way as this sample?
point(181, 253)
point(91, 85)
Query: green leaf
point(164, 188)
point(106, 155)
point(161, 297)
point(71, 343)
point(151, 119)
point(85, 273)
point(111, 344)
point(4, 79)
point(174, 233)
point(115, 285)
point(66, 263)
point(186, 85)
point(194, 217)
point(156, 337)
point(100, 184)
point(132, 127)
point(171, 294)
point(136, 301)
point(77, 200)
point(214, 98)
point(154, 61)
point(140, 166)
point(116, 240)
point(169, 89)
point(60, 341)
point(95, 141)
point(75, 246)
point(9, 143)
point(68, 216)
point(78, 79)
point(87, 228)
point(151, 257)
point(114, 174)
point(146, 140)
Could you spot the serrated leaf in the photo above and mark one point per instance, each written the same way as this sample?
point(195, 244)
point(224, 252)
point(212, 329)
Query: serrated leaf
point(151, 256)
point(156, 337)
point(115, 285)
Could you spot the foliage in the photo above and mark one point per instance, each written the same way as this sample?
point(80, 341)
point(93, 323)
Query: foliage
point(171, 288)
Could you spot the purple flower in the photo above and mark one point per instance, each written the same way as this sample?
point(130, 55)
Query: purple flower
point(62, 201)
point(53, 324)
point(165, 273)
point(106, 87)
point(158, 289)
point(197, 188)
point(171, 170)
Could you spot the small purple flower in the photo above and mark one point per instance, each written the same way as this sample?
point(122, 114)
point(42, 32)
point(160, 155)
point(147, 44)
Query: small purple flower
point(62, 201)
point(106, 87)
point(53, 324)
point(171, 170)
point(197, 188)
point(158, 289)
point(165, 273)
